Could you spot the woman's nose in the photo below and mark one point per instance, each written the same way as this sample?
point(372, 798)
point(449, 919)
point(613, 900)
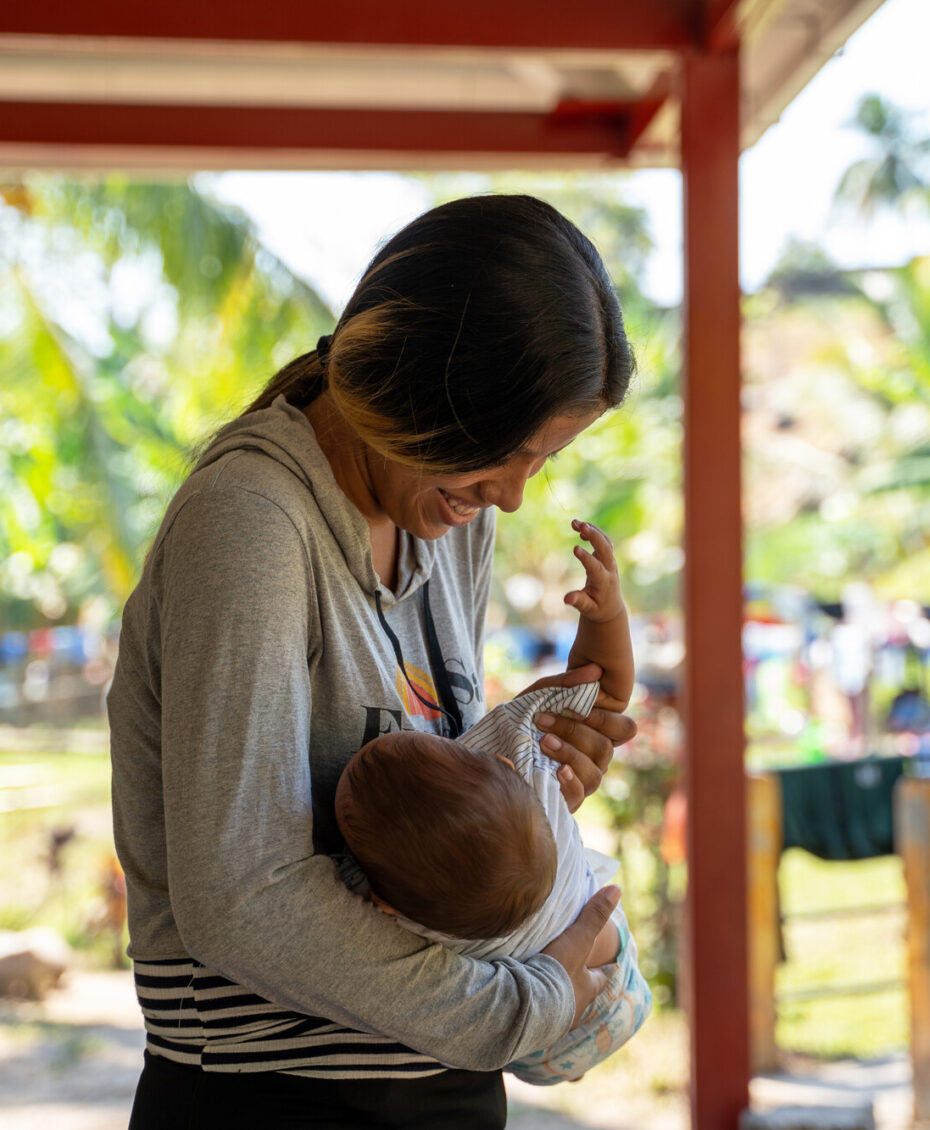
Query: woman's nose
point(506, 491)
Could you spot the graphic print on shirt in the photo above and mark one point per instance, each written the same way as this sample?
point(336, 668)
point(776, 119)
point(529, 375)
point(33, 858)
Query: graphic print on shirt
point(417, 692)
point(419, 698)
point(464, 685)
point(378, 720)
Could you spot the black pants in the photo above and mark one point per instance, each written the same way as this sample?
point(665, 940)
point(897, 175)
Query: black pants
point(173, 1097)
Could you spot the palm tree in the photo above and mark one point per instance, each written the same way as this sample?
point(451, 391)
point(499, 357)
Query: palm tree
point(136, 318)
point(897, 173)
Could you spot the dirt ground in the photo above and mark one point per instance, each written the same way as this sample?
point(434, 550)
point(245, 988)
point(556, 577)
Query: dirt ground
point(71, 1063)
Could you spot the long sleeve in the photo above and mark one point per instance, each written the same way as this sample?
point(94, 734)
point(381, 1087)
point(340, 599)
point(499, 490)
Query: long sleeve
point(249, 896)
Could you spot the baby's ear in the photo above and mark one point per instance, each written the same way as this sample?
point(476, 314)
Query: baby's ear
point(379, 902)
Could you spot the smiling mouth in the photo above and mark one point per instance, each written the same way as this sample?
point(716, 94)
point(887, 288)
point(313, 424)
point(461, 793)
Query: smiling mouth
point(463, 509)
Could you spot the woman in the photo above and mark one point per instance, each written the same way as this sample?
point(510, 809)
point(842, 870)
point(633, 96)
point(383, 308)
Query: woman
point(322, 577)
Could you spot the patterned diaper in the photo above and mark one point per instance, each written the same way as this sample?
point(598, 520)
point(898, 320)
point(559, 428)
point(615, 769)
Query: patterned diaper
point(608, 1022)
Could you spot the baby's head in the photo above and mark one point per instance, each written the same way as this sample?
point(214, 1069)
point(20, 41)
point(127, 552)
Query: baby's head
point(448, 836)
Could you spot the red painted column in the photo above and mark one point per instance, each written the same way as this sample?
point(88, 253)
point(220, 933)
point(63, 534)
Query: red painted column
point(712, 597)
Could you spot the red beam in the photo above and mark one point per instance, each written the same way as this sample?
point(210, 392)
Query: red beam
point(644, 111)
point(605, 24)
point(721, 31)
point(300, 128)
point(636, 116)
point(713, 714)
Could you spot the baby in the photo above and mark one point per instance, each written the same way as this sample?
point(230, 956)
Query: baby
point(470, 842)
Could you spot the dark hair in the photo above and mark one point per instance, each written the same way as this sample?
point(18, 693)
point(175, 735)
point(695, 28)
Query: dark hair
point(451, 837)
point(470, 329)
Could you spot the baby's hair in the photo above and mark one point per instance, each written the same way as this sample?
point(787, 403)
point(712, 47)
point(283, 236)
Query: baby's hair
point(450, 837)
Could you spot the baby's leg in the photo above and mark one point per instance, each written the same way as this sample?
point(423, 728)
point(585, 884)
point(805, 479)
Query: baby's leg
point(609, 1021)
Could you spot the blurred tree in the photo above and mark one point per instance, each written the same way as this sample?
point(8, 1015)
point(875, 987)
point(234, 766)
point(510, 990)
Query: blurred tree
point(836, 427)
point(136, 317)
point(805, 268)
point(897, 481)
point(838, 396)
point(896, 175)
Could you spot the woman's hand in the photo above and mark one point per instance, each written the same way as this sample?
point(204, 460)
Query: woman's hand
point(584, 746)
point(573, 946)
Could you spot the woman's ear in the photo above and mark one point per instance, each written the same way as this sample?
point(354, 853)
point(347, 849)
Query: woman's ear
point(379, 902)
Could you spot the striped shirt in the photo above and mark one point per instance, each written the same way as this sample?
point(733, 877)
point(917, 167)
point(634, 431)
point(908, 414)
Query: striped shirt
point(195, 1017)
point(510, 729)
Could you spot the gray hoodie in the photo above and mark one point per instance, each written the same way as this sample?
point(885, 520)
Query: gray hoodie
point(253, 662)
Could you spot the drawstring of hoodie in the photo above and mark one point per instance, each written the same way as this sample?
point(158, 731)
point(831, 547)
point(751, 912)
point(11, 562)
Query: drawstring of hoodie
point(448, 705)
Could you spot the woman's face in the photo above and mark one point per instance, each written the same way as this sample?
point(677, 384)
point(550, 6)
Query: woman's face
point(428, 505)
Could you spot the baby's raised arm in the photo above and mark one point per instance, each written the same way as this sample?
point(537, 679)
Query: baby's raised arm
point(603, 635)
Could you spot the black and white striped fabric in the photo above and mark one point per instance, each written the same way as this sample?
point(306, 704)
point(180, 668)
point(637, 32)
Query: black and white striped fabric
point(195, 1017)
point(510, 729)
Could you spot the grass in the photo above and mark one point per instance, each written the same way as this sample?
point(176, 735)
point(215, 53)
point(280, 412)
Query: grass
point(44, 796)
point(68, 1045)
point(853, 951)
point(72, 791)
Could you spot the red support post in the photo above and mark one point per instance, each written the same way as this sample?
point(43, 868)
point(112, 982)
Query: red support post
point(712, 598)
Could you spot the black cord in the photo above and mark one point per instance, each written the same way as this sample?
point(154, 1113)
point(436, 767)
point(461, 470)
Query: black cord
point(449, 706)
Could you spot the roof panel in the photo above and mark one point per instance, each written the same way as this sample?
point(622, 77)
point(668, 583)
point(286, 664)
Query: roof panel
point(593, 60)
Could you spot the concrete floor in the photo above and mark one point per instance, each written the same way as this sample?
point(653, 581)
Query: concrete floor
point(885, 1082)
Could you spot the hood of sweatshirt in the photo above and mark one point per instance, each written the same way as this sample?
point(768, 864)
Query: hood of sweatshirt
point(283, 433)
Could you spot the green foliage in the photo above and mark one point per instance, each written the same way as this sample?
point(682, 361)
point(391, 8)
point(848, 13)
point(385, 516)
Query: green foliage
point(136, 318)
point(42, 796)
point(836, 438)
point(652, 890)
point(837, 457)
point(828, 952)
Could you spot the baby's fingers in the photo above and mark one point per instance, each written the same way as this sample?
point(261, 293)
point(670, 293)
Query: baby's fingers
point(580, 600)
point(600, 542)
point(599, 579)
point(593, 566)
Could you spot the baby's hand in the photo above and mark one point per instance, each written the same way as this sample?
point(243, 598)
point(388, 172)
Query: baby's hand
point(600, 600)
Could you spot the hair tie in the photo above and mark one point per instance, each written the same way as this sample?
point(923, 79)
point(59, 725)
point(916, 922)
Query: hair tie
point(322, 346)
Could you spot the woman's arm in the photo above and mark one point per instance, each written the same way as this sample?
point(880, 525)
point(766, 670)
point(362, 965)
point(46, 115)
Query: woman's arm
point(250, 898)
